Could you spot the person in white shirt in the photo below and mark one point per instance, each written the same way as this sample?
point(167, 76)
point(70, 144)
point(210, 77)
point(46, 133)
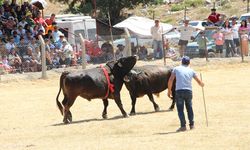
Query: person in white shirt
point(156, 32)
point(236, 37)
point(228, 35)
point(186, 33)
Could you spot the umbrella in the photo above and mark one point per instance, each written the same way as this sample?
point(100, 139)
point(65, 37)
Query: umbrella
point(40, 4)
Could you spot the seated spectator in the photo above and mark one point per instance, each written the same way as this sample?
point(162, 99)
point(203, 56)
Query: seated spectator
point(20, 30)
point(16, 37)
point(29, 61)
point(58, 43)
point(10, 45)
point(28, 36)
point(133, 48)
point(56, 33)
point(34, 45)
point(9, 24)
point(66, 53)
point(108, 51)
point(22, 22)
point(2, 48)
point(142, 53)
point(6, 65)
point(19, 13)
point(14, 60)
point(21, 47)
point(49, 36)
point(215, 19)
point(119, 52)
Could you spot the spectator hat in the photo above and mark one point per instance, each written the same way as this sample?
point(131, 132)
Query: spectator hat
point(185, 60)
point(28, 14)
point(213, 9)
point(61, 34)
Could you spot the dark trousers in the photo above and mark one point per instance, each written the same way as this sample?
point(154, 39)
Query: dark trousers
point(184, 97)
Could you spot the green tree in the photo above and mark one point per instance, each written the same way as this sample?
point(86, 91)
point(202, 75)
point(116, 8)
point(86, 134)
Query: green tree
point(104, 7)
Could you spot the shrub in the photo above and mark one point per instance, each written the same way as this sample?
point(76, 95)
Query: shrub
point(177, 7)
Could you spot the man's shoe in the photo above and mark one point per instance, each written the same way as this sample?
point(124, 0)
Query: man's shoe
point(191, 127)
point(181, 129)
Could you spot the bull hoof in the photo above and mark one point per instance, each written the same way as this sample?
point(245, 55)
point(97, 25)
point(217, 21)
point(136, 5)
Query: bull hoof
point(65, 121)
point(104, 116)
point(157, 109)
point(125, 115)
point(70, 117)
point(132, 113)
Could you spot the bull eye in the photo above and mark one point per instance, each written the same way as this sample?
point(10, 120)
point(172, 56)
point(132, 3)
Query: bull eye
point(120, 64)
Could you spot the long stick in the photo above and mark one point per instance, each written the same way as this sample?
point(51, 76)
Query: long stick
point(204, 102)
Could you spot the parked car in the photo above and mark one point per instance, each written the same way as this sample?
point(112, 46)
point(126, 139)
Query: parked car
point(244, 17)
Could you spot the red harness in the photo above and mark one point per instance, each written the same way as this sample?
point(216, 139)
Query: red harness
point(110, 85)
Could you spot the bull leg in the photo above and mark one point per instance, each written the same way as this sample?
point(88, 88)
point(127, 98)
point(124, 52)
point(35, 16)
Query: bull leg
point(156, 106)
point(119, 104)
point(104, 113)
point(68, 102)
point(133, 98)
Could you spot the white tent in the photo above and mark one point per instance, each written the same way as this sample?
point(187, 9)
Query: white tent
point(140, 26)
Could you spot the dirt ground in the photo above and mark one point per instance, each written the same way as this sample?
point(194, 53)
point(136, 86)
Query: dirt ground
point(30, 118)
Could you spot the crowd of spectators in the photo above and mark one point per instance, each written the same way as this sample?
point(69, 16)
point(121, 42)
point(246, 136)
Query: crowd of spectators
point(20, 28)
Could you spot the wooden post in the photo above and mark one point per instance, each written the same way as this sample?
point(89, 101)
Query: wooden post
point(205, 40)
point(128, 42)
point(242, 55)
point(83, 52)
point(111, 35)
point(44, 67)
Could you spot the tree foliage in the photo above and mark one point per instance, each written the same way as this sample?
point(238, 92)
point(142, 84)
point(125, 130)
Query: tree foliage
point(103, 7)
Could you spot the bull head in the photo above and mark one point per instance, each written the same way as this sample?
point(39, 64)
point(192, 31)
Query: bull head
point(122, 66)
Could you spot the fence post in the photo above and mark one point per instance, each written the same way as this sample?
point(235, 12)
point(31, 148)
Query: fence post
point(83, 51)
point(44, 67)
point(128, 42)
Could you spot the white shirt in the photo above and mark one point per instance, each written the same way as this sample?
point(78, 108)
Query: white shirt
point(228, 33)
point(186, 32)
point(235, 32)
point(156, 33)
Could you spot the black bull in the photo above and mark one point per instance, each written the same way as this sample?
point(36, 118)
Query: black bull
point(92, 83)
point(148, 80)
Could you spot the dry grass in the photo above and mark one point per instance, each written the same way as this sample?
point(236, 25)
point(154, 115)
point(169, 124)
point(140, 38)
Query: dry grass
point(31, 120)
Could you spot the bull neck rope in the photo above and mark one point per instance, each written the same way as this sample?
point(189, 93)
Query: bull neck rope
point(110, 85)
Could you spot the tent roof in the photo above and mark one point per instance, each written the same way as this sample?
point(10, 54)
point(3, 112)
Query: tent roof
point(141, 26)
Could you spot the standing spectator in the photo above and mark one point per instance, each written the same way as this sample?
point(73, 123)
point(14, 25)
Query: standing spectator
point(202, 44)
point(236, 37)
point(186, 32)
point(25, 7)
point(39, 20)
point(184, 75)
point(219, 42)
point(108, 51)
point(21, 31)
point(228, 34)
point(29, 19)
point(243, 31)
point(156, 32)
point(50, 20)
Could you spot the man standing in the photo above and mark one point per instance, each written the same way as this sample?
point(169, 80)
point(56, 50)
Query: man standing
point(156, 32)
point(184, 75)
point(186, 33)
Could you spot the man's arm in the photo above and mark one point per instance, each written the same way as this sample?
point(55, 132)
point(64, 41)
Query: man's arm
point(199, 81)
point(170, 84)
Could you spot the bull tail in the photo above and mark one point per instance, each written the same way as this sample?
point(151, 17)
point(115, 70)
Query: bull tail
point(59, 105)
